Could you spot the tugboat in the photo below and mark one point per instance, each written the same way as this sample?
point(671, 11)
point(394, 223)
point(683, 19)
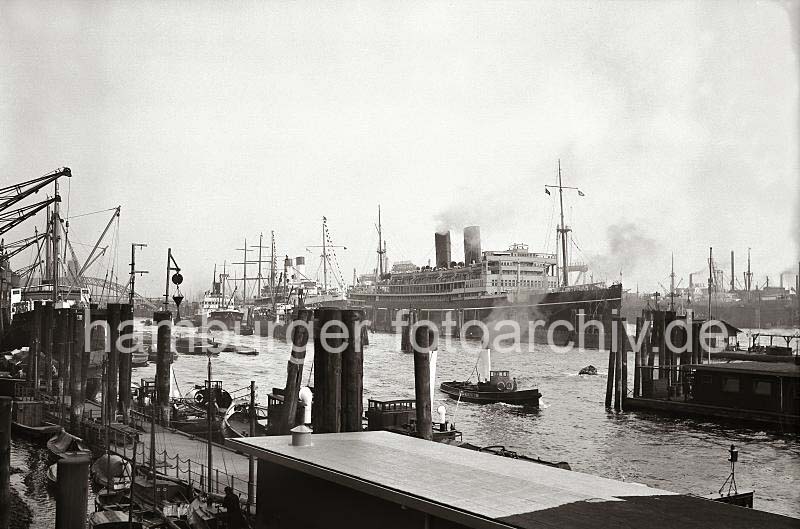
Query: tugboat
point(492, 386)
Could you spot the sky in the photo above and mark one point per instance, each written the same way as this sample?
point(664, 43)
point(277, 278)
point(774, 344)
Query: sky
point(209, 123)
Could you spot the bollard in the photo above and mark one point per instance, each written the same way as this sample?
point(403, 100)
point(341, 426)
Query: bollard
point(352, 373)
point(112, 380)
point(294, 371)
point(163, 319)
point(125, 361)
point(422, 381)
point(5, 461)
point(72, 491)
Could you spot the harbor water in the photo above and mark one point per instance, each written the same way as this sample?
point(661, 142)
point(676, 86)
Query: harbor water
point(572, 424)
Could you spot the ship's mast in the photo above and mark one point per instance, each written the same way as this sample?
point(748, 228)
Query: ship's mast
point(260, 242)
point(244, 273)
point(563, 230)
point(672, 285)
point(133, 269)
point(381, 248)
point(748, 276)
point(710, 278)
point(324, 258)
point(272, 268)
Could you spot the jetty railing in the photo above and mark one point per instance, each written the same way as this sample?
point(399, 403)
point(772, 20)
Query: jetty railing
point(187, 469)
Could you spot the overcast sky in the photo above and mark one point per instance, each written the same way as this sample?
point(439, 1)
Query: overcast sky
point(209, 123)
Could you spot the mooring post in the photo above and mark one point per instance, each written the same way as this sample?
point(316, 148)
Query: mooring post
point(113, 357)
point(618, 365)
point(62, 352)
point(623, 351)
point(251, 461)
point(85, 317)
point(422, 380)
point(125, 360)
point(163, 319)
point(637, 359)
point(294, 371)
point(35, 348)
point(47, 346)
point(352, 373)
point(317, 407)
point(75, 373)
point(72, 492)
point(612, 365)
point(5, 461)
point(332, 403)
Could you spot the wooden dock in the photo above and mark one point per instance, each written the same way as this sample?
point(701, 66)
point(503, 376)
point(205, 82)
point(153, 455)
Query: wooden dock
point(177, 454)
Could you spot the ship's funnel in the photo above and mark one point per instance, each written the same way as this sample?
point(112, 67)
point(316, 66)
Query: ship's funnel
point(442, 249)
point(472, 245)
point(300, 266)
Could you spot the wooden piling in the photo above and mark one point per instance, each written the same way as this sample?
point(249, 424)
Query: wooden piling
point(163, 320)
point(85, 349)
point(317, 407)
point(422, 381)
point(294, 371)
point(612, 368)
point(75, 402)
point(72, 491)
point(47, 345)
point(125, 360)
point(332, 411)
point(352, 373)
point(62, 355)
point(112, 386)
point(617, 366)
point(5, 461)
point(623, 352)
point(35, 348)
point(637, 360)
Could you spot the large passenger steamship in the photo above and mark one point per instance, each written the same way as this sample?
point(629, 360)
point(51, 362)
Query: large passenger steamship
point(491, 286)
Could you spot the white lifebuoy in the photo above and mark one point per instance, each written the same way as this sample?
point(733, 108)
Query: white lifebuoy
point(501, 386)
point(198, 397)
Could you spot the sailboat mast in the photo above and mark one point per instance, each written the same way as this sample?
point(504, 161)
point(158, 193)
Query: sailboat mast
point(563, 230)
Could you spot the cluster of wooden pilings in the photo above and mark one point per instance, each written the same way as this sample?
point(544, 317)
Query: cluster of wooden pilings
point(338, 371)
point(60, 362)
point(666, 346)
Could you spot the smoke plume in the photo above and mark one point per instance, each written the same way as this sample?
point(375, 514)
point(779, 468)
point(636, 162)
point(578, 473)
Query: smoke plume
point(627, 247)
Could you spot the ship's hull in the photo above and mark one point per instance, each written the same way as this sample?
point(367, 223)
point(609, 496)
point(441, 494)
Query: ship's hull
point(535, 314)
point(469, 393)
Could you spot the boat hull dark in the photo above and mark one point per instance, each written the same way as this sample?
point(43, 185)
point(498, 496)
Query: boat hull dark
point(468, 393)
point(596, 304)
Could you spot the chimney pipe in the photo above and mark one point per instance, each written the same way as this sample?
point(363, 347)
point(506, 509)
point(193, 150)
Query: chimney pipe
point(472, 245)
point(733, 274)
point(442, 249)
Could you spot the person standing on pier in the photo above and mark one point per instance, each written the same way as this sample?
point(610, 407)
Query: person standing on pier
point(231, 503)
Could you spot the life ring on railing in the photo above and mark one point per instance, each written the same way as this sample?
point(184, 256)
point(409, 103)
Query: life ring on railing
point(198, 397)
point(501, 386)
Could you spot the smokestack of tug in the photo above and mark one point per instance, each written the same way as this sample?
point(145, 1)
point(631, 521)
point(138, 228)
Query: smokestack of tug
point(300, 266)
point(443, 249)
point(472, 245)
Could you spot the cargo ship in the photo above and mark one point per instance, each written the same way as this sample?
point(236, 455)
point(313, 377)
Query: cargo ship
point(489, 286)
